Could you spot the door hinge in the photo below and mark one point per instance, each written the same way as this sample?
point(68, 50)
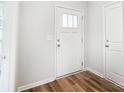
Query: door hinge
point(82, 63)
point(81, 40)
point(82, 17)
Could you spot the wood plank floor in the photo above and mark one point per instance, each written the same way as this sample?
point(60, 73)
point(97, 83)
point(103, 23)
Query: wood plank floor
point(81, 82)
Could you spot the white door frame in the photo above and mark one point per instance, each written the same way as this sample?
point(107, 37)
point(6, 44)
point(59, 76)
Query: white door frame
point(82, 29)
point(11, 34)
point(104, 40)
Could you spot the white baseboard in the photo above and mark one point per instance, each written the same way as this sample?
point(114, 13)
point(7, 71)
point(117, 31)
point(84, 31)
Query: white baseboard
point(31, 85)
point(101, 75)
point(115, 83)
point(84, 69)
point(94, 71)
point(69, 74)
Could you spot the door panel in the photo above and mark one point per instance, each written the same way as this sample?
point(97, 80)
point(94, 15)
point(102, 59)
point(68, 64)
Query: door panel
point(115, 23)
point(114, 42)
point(116, 63)
point(2, 83)
point(69, 45)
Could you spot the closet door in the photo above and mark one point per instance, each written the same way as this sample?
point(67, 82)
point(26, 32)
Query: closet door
point(114, 42)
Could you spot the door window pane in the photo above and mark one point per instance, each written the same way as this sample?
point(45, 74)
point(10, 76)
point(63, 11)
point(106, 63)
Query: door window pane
point(75, 21)
point(0, 48)
point(1, 27)
point(65, 20)
point(1, 23)
point(1, 35)
point(1, 13)
point(69, 20)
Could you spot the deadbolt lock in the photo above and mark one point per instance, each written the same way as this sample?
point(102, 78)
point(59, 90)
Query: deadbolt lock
point(106, 45)
point(58, 45)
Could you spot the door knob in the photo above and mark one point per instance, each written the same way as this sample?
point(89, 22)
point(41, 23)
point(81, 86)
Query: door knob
point(58, 40)
point(106, 45)
point(107, 40)
point(58, 45)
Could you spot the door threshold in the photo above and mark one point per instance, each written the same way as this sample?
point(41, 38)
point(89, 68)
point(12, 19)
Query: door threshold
point(66, 75)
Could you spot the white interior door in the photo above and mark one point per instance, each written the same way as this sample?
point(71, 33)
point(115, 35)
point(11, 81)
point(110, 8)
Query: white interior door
point(2, 81)
point(4, 65)
point(114, 42)
point(69, 45)
point(1, 30)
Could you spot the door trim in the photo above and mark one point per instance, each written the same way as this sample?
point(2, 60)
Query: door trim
point(104, 34)
point(11, 35)
point(55, 35)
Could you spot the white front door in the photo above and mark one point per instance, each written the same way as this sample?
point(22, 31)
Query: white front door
point(114, 42)
point(68, 43)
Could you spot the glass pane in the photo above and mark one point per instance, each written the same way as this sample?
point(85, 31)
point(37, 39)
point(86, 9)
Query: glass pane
point(1, 22)
point(1, 35)
point(1, 9)
point(1, 27)
point(0, 48)
point(69, 20)
point(64, 19)
point(75, 21)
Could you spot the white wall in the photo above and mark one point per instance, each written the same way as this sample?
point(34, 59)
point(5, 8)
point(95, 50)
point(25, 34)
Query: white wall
point(94, 37)
point(36, 54)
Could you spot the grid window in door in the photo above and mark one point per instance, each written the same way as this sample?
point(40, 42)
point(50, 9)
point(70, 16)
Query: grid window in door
point(69, 21)
point(75, 21)
point(65, 20)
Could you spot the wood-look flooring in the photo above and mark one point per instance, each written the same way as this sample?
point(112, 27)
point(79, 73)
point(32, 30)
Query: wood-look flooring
point(81, 82)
